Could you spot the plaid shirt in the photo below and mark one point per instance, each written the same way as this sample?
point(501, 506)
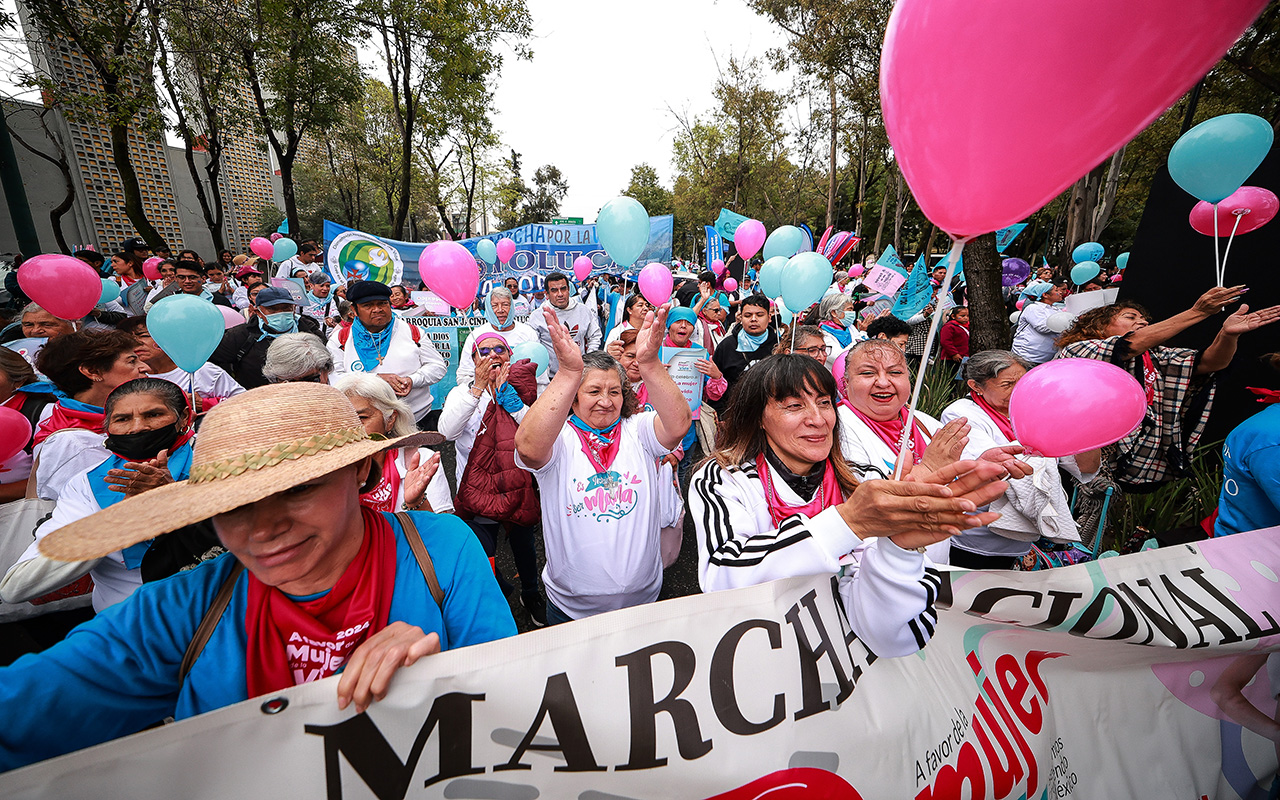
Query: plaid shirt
point(1158, 450)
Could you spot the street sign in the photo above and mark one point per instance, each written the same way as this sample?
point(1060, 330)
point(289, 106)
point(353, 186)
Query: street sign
point(566, 220)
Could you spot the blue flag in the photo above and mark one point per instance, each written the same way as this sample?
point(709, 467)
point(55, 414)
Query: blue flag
point(1005, 236)
point(728, 222)
point(916, 293)
point(715, 247)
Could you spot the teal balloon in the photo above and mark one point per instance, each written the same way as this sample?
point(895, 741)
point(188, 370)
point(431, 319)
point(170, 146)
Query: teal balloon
point(110, 291)
point(1084, 272)
point(284, 249)
point(771, 277)
point(1089, 251)
point(784, 313)
point(487, 250)
point(622, 228)
point(535, 352)
point(1122, 260)
point(1216, 157)
point(808, 275)
point(785, 241)
point(186, 328)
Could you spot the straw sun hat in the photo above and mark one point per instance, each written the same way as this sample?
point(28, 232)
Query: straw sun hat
point(250, 446)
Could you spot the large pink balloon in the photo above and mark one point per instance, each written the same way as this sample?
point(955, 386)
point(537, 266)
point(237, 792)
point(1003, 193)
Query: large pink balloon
point(151, 268)
point(979, 172)
point(230, 317)
point(450, 271)
point(582, 266)
point(262, 247)
point(64, 286)
point(730, 285)
point(749, 238)
point(656, 284)
point(856, 271)
point(15, 432)
point(1070, 405)
point(717, 267)
point(1253, 205)
point(506, 249)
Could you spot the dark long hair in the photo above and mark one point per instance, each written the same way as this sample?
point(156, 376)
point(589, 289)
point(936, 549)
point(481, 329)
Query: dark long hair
point(1093, 323)
point(779, 377)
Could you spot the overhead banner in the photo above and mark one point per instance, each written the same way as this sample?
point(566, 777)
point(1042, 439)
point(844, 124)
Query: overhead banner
point(447, 333)
point(540, 249)
point(1106, 679)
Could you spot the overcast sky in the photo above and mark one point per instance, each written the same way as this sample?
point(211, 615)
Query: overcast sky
point(593, 99)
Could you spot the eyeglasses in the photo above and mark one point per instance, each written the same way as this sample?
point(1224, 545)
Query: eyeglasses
point(496, 350)
point(817, 351)
point(315, 377)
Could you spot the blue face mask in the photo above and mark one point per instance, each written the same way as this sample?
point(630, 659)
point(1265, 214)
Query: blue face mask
point(850, 320)
point(282, 322)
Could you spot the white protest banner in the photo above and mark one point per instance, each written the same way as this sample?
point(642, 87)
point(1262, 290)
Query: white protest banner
point(1099, 680)
point(682, 367)
point(883, 280)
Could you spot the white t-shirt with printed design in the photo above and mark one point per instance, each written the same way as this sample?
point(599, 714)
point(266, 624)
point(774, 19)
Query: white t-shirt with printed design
point(601, 529)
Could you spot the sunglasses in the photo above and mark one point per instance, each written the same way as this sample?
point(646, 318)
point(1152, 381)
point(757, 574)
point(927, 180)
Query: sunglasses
point(496, 350)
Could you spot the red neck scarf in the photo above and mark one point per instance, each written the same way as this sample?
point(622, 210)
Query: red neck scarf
point(16, 401)
point(828, 495)
point(294, 642)
point(1002, 422)
point(890, 432)
point(600, 447)
point(1265, 395)
point(711, 328)
point(642, 394)
point(383, 496)
point(63, 417)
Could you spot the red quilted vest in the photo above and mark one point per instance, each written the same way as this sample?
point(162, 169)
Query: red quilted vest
point(492, 485)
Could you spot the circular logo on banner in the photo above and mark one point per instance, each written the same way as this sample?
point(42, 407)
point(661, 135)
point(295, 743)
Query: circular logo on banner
point(355, 256)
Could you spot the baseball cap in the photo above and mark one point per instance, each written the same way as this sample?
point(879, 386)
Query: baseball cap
point(274, 296)
point(133, 244)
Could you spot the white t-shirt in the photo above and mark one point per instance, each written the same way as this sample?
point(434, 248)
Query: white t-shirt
point(601, 529)
point(211, 381)
point(63, 455)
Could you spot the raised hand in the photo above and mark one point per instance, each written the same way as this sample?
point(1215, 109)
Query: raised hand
point(946, 445)
point(500, 377)
point(1212, 301)
point(615, 349)
point(137, 478)
point(708, 367)
point(1006, 456)
point(1243, 322)
point(484, 372)
point(567, 352)
point(368, 673)
point(418, 474)
point(649, 340)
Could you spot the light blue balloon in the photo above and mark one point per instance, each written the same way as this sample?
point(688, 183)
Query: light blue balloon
point(1089, 251)
point(622, 228)
point(1084, 272)
point(285, 249)
point(1122, 260)
point(1216, 157)
point(771, 277)
point(487, 250)
point(187, 328)
point(784, 313)
point(535, 352)
point(110, 291)
point(785, 241)
point(808, 276)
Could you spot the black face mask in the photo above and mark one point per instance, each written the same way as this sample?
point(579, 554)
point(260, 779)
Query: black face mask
point(143, 445)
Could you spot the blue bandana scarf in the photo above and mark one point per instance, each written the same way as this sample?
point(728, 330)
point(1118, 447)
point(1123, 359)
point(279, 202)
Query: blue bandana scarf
point(179, 467)
point(371, 348)
point(577, 422)
point(748, 343)
point(317, 303)
point(841, 333)
point(75, 405)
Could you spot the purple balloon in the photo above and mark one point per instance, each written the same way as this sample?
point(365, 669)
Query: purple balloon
point(1015, 272)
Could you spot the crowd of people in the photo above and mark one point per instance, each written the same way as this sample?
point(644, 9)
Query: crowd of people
point(296, 495)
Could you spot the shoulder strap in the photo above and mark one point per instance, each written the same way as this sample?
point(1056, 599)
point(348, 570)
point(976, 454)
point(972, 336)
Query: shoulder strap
point(210, 621)
point(424, 558)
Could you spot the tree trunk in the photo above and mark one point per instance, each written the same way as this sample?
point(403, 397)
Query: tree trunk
point(290, 196)
point(884, 213)
point(862, 177)
point(928, 245)
point(899, 210)
point(988, 325)
point(831, 178)
point(1107, 202)
point(131, 190)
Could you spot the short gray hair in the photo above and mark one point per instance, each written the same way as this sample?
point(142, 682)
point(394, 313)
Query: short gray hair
point(382, 397)
point(830, 304)
point(317, 278)
point(294, 355)
point(499, 291)
point(987, 364)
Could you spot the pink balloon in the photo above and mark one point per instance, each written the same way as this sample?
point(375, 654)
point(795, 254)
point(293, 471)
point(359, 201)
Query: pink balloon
point(231, 317)
point(15, 432)
point(276, 236)
point(749, 238)
point(978, 173)
point(582, 266)
point(856, 271)
point(1022, 302)
point(837, 372)
point(64, 286)
point(506, 249)
point(262, 248)
point(1117, 278)
point(656, 283)
point(449, 270)
point(717, 267)
point(1253, 205)
point(151, 268)
point(1070, 405)
point(730, 285)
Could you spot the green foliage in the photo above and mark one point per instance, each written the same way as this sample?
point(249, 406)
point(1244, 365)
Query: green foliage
point(521, 205)
point(1177, 504)
point(939, 389)
point(646, 188)
point(267, 219)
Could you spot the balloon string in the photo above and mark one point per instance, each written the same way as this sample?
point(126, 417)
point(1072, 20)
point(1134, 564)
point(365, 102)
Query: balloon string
point(954, 258)
point(793, 333)
point(1222, 270)
point(1217, 260)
